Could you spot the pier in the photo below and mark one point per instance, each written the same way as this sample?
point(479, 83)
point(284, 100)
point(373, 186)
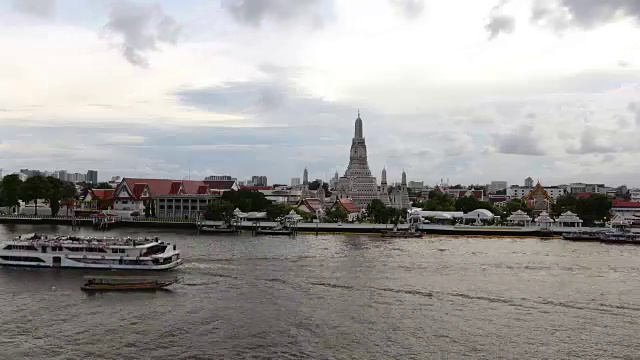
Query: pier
point(300, 227)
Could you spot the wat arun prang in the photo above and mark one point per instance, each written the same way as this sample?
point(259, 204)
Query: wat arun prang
point(360, 186)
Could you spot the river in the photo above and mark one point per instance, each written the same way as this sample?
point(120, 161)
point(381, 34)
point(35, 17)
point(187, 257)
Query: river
point(337, 297)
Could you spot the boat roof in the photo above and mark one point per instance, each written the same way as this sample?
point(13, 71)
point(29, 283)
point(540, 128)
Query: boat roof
point(125, 277)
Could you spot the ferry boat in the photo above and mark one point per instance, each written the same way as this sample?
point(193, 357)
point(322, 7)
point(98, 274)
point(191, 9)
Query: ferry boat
point(37, 250)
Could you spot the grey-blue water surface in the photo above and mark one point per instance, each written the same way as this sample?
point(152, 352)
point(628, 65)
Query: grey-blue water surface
point(337, 297)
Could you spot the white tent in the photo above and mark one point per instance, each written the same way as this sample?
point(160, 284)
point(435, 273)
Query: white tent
point(479, 215)
point(482, 214)
point(519, 216)
point(569, 218)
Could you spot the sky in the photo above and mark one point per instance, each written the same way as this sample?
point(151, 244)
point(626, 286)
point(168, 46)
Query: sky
point(470, 91)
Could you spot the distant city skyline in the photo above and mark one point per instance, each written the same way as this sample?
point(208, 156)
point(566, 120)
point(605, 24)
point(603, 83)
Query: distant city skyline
point(547, 89)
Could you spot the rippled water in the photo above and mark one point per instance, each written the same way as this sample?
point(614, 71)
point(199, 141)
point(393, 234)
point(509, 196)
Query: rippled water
point(338, 297)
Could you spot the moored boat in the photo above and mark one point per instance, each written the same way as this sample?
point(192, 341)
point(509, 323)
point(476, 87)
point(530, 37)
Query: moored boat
point(401, 234)
point(580, 235)
point(218, 229)
point(126, 283)
point(55, 251)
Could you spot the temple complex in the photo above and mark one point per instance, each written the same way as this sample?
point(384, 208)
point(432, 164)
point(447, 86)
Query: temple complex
point(538, 199)
point(360, 186)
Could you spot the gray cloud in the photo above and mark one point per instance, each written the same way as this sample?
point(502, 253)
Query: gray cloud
point(591, 142)
point(519, 142)
point(410, 9)
point(634, 107)
point(500, 24)
point(142, 28)
point(583, 13)
point(42, 8)
point(253, 13)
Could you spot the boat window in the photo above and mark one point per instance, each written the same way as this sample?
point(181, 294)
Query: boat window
point(21, 247)
point(22, 258)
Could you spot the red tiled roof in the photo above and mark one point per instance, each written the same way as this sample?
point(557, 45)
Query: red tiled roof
point(313, 203)
point(138, 189)
point(583, 195)
point(625, 204)
point(220, 184)
point(348, 205)
point(256, 188)
point(172, 187)
point(103, 193)
point(193, 186)
point(175, 188)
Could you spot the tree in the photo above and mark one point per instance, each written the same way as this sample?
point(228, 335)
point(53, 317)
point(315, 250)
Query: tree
point(53, 194)
point(34, 188)
point(275, 211)
point(438, 202)
point(102, 185)
point(396, 214)
point(247, 200)
point(565, 203)
point(147, 208)
point(467, 204)
point(219, 210)
point(594, 208)
point(337, 214)
point(10, 190)
point(378, 212)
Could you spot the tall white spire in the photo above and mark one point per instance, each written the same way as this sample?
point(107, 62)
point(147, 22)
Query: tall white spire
point(384, 176)
point(358, 132)
point(305, 176)
point(404, 178)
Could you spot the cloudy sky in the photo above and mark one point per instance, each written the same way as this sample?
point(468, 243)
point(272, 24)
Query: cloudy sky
point(472, 91)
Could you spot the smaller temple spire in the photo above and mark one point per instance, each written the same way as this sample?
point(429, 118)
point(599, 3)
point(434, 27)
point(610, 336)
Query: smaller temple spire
point(404, 178)
point(384, 175)
point(305, 176)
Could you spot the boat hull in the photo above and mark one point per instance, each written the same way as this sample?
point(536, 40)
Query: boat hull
point(217, 231)
point(67, 263)
point(274, 232)
point(125, 287)
point(401, 234)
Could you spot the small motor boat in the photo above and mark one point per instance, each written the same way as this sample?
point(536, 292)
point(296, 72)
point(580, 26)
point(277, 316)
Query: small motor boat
point(128, 283)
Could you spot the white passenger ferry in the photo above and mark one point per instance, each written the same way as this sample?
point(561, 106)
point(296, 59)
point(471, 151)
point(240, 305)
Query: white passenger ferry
point(89, 253)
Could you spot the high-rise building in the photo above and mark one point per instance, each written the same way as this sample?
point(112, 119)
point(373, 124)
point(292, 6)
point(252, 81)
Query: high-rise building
point(295, 181)
point(92, 177)
point(259, 180)
point(305, 177)
point(62, 175)
point(528, 182)
point(499, 186)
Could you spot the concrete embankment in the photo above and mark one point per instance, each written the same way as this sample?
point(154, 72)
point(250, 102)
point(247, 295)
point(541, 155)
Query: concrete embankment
point(302, 227)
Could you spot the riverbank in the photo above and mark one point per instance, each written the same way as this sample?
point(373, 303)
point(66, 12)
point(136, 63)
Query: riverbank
point(331, 228)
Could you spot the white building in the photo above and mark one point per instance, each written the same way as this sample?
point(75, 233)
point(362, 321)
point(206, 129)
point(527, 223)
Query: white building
point(295, 181)
point(416, 185)
point(496, 186)
point(576, 188)
point(518, 192)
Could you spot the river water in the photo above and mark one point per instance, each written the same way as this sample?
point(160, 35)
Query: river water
point(337, 297)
